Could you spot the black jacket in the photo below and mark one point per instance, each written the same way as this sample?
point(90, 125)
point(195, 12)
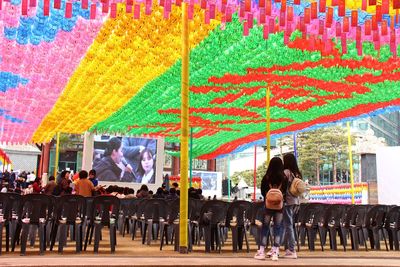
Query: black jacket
point(107, 170)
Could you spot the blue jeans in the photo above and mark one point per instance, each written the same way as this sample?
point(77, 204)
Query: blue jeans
point(277, 217)
point(288, 230)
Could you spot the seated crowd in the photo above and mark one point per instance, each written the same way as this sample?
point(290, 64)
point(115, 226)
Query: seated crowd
point(86, 184)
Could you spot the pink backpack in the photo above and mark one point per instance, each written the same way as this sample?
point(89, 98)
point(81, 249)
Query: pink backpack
point(274, 198)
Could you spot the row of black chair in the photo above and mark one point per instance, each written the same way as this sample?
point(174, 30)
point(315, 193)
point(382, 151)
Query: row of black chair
point(360, 222)
point(51, 217)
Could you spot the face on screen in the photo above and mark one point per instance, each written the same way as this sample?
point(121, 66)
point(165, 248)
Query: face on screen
point(135, 158)
point(147, 162)
point(117, 155)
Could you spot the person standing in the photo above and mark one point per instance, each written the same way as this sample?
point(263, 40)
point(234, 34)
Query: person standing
point(291, 170)
point(273, 180)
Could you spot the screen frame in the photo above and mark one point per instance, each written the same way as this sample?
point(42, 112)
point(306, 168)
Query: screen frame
point(160, 157)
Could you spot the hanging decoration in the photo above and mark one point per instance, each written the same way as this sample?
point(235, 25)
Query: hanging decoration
point(114, 67)
point(339, 194)
point(356, 20)
point(38, 54)
point(229, 74)
point(125, 55)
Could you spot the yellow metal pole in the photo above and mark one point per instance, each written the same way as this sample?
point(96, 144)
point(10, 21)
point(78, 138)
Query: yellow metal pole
point(268, 117)
point(57, 152)
point(351, 163)
point(183, 218)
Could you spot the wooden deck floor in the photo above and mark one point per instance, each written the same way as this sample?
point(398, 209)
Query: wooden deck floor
point(133, 253)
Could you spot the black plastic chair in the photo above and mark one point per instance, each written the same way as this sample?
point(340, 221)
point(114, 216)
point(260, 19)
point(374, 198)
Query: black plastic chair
point(10, 204)
point(308, 224)
point(374, 226)
point(69, 211)
point(392, 226)
point(105, 212)
point(195, 206)
point(36, 211)
point(238, 217)
point(331, 224)
point(356, 226)
point(154, 212)
point(172, 221)
point(138, 218)
point(257, 213)
point(212, 215)
point(127, 212)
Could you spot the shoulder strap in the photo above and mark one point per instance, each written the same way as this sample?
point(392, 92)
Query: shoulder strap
point(279, 187)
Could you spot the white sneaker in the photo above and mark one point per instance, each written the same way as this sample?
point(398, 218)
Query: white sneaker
point(275, 255)
point(290, 254)
point(270, 252)
point(259, 255)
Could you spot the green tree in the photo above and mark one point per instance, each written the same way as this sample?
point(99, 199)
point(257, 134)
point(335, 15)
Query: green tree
point(248, 175)
point(323, 146)
point(69, 141)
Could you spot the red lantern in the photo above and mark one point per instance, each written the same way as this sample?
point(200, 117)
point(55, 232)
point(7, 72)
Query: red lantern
point(354, 18)
point(329, 17)
point(93, 11)
point(250, 20)
point(283, 6)
point(396, 4)
point(247, 5)
point(113, 10)
point(307, 14)
point(203, 4)
point(364, 5)
point(104, 7)
point(346, 24)
point(68, 10)
point(57, 4)
point(367, 27)
point(378, 13)
point(85, 4)
point(374, 23)
point(342, 8)
point(245, 29)
point(338, 29)
point(46, 7)
point(282, 19)
point(384, 28)
point(290, 13)
point(314, 12)
point(321, 27)
point(322, 6)
point(385, 6)
point(268, 8)
point(262, 16)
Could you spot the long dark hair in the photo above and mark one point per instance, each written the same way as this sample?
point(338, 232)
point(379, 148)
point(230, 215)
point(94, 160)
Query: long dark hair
point(274, 174)
point(290, 163)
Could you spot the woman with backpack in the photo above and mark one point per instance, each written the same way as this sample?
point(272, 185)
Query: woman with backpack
point(273, 189)
point(295, 188)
